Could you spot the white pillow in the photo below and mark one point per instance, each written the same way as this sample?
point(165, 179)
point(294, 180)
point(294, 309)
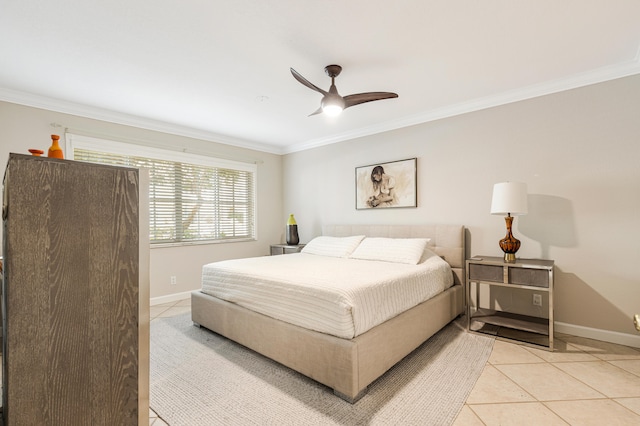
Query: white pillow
point(397, 250)
point(332, 246)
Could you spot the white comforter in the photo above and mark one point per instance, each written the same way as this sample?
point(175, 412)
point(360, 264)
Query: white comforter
point(338, 296)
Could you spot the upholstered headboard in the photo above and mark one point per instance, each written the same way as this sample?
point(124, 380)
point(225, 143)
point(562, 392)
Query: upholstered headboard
point(448, 241)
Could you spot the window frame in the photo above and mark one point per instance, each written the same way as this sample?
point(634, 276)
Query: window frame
point(75, 141)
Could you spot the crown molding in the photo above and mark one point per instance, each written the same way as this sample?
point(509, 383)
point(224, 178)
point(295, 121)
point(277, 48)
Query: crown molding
point(576, 81)
point(66, 107)
point(579, 80)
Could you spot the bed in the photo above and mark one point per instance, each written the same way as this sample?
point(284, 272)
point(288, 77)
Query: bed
point(351, 360)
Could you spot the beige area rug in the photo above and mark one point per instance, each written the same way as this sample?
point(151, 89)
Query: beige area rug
point(201, 378)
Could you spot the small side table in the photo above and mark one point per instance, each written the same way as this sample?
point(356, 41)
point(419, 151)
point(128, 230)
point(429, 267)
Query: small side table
point(285, 249)
point(524, 274)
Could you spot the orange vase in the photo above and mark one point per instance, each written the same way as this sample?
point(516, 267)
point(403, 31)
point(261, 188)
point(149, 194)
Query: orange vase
point(54, 150)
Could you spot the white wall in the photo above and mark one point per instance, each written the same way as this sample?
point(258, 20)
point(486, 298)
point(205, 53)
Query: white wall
point(579, 153)
point(23, 127)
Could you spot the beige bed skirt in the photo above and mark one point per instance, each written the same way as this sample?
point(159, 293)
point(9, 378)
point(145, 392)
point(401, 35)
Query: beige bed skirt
point(346, 366)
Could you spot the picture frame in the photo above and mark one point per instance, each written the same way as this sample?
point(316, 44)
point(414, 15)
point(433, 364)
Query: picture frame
point(387, 185)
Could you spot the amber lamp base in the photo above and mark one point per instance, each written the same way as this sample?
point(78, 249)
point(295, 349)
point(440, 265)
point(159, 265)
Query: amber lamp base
point(509, 244)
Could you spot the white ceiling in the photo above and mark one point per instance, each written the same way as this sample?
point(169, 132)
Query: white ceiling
point(219, 70)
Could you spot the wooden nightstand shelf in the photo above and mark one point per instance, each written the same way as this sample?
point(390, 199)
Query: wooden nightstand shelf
point(285, 249)
point(525, 274)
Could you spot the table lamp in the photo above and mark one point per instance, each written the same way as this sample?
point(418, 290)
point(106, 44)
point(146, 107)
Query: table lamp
point(509, 198)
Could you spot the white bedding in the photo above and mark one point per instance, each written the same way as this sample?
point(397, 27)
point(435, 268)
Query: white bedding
point(338, 296)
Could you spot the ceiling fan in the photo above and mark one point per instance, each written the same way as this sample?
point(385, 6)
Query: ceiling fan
point(332, 103)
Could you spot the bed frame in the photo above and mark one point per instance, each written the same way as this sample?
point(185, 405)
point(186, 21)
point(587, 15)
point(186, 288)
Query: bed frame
point(347, 366)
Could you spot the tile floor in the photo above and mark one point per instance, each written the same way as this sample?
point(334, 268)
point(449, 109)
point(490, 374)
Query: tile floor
point(583, 382)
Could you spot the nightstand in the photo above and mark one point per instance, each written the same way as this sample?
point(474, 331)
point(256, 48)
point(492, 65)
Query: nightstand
point(534, 275)
point(285, 249)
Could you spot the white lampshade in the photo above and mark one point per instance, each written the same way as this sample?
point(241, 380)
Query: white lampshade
point(509, 198)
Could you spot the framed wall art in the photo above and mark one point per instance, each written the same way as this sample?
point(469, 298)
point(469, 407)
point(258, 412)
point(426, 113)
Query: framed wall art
point(387, 185)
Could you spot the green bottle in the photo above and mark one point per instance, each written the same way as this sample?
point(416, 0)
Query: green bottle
point(292, 231)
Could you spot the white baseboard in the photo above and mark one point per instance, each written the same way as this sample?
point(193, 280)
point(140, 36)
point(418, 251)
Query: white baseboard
point(170, 298)
point(597, 334)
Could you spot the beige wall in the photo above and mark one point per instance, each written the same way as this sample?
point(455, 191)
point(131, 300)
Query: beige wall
point(24, 127)
point(579, 153)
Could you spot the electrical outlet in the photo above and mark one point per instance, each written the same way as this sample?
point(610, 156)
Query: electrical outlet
point(173, 280)
point(537, 300)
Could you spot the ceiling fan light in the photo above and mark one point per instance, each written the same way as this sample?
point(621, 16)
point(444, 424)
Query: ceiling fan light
point(332, 110)
point(332, 104)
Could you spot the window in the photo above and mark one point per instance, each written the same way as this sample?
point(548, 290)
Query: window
point(192, 198)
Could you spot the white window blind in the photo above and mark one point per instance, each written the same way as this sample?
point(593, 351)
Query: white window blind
point(189, 201)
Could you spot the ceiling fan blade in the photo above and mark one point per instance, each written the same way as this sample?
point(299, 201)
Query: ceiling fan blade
point(316, 112)
point(361, 98)
point(306, 82)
